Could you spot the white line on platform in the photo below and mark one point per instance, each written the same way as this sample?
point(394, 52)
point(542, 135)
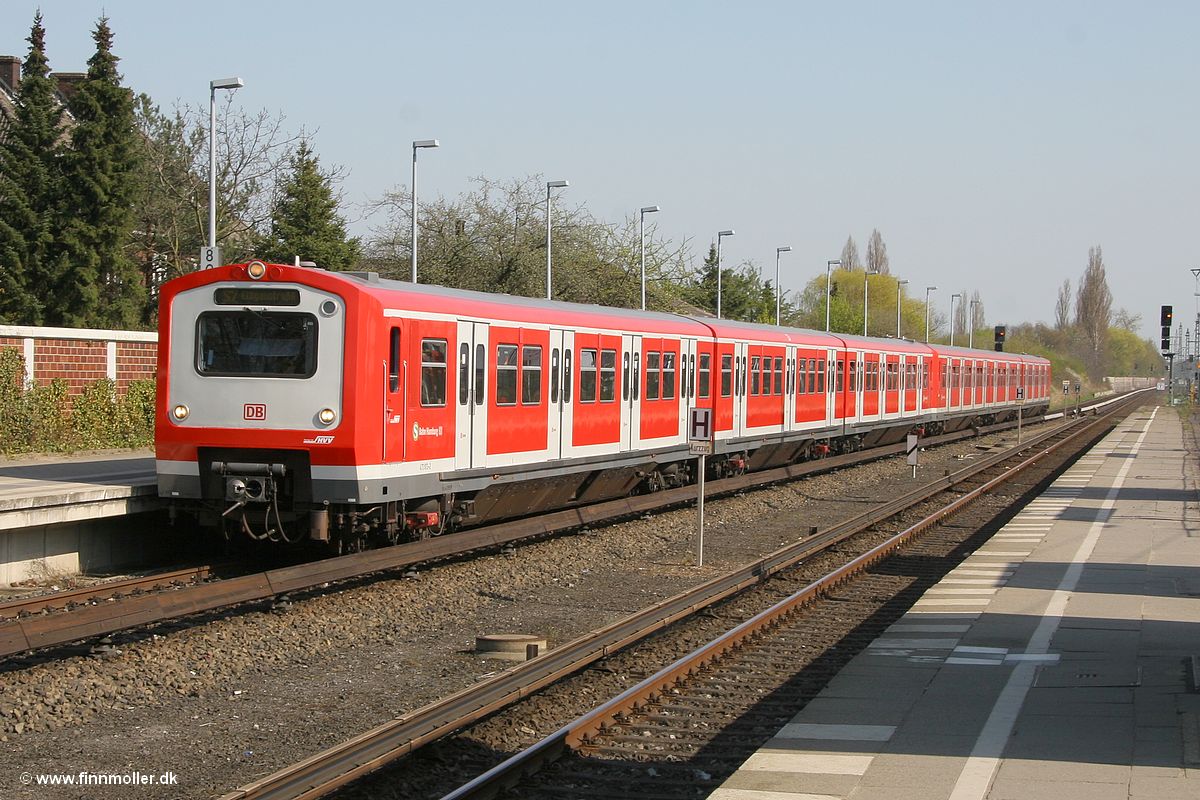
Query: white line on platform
point(762, 794)
point(818, 763)
point(960, 590)
point(898, 628)
point(977, 774)
point(838, 731)
point(975, 662)
point(952, 602)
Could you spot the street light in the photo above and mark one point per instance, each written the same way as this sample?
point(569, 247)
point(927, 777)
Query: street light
point(787, 248)
point(1196, 293)
point(419, 143)
point(953, 297)
point(898, 285)
point(642, 236)
point(550, 185)
point(866, 277)
point(720, 234)
point(829, 265)
point(928, 289)
point(231, 84)
point(971, 323)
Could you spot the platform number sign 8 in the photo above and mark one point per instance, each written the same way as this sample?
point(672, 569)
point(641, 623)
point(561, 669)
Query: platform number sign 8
point(210, 257)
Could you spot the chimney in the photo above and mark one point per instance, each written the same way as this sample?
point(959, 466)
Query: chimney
point(10, 72)
point(67, 83)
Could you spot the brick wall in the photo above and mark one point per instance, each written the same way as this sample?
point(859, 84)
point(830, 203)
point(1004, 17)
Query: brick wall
point(81, 356)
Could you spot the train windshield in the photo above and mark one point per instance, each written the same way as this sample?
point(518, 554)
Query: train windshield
point(250, 343)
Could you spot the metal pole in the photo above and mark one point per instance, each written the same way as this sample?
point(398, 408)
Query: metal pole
point(718, 276)
point(953, 297)
point(414, 213)
point(700, 514)
point(548, 287)
point(971, 323)
point(212, 165)
point(777, 252)
point(866, 286)
point(928, 289)
point(642, 239)
point(828, 278)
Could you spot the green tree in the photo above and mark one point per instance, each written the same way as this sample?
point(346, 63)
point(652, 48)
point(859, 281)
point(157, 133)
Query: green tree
point(306, 222)
point(744, 294)
point(98, 283)
point(30, 187)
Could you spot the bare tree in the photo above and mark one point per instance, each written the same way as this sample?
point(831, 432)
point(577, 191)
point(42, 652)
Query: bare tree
point(850, 255)
point(978, 320)
point(960, 313)
point(1062, 309)
point(1126, 319)
point(1093, 307)
point(877, 256)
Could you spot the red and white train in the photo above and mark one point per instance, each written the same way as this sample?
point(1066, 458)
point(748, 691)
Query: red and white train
point(295, 403)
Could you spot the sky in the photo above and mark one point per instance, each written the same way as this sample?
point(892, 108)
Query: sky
point(990, 143)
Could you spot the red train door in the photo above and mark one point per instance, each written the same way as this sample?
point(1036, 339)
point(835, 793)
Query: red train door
point(394, 379)
point(631, 394)
point(560, 419)
point(470, 450)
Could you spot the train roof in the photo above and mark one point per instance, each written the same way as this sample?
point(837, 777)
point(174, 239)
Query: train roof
point(433, 298)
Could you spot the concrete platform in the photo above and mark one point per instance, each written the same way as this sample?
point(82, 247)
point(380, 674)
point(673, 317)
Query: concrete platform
point(1055, 662)
point(50, 510)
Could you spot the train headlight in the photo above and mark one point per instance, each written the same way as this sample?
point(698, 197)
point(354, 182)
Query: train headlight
point(256, 269)
point(180, 412)
point(327, 416)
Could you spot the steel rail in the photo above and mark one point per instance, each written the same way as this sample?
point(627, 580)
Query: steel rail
point(93, 620)
point(54, 601)
point(324, 772)
point(577, 733)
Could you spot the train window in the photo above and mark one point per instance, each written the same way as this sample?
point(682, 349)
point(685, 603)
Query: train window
point(755, 374)
point(625, 376)
point(259, 344)
point(668, 378)
point(635, 378)
point(726, 376)
point(802, 376)
point(820, 374)
point(608, 376)
point(587, 376)
point(554, 375)
point(506, 375)
point(394, 361)
point(433, 372)
point(653, 362)
point(531, 375)
point(704, 375)
point(566, 379)
point(464, 373)
point(841, 376)
point(854, 375)
point(691, 380)
point(480, 373)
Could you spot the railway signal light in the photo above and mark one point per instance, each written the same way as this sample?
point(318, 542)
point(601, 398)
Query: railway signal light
point(1165, 318)
point(1001, 332)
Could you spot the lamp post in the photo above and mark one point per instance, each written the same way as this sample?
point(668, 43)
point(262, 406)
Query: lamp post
point(829, 265)
point(898, 285)
point(418, 144)
point(866, 283)
point(225, 83)
point(971, 323)
point(720, 235)
point(642, 236)
point(550, 185)
point(1196, 293)
point(953, 297)
point(787, 248)
point(928, 289)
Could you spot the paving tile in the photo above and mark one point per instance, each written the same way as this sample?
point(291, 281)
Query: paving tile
point(936, 774)
point(755, 794)
point(1153, 788)
point(835, 785)
point(1010, 789)
point(1059, 772)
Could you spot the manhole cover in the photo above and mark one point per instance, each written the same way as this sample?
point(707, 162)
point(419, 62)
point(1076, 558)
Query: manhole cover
point(1074, 676)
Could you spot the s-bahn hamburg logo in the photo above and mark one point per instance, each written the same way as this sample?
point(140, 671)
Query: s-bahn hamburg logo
point(418, 431)
point(254, 411)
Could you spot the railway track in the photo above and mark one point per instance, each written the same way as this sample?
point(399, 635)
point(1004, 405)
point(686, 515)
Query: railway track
point(67, 617)
point(341, 765)
point(109, 590)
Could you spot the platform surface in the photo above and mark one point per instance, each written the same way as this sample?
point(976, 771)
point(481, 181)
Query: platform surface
point(44, 491)
point(1055, 662)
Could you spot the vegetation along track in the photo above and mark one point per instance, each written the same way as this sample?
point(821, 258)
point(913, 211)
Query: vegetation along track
point(63, 618)
point(437, 769)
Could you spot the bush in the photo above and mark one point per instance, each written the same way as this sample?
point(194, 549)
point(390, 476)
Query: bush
point(44, 419)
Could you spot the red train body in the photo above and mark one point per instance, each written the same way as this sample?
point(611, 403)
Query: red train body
point(337, 406)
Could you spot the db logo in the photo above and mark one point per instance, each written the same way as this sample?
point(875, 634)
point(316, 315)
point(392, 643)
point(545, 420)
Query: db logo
point(255, 411)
